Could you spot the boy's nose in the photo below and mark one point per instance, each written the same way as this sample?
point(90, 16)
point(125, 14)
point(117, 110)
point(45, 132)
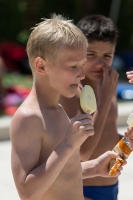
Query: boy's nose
point(81, 75)
point(100, 62)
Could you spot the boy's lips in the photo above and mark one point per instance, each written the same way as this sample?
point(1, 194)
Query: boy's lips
point(97, 72)
point(74, 85)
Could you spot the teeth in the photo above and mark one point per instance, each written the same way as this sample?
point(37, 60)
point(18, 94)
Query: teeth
point(88, 100)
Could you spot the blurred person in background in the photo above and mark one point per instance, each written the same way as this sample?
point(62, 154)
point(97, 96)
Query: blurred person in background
point(130, 76)
point(101, 34)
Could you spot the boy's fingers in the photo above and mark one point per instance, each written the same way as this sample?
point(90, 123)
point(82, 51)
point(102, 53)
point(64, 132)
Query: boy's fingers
point(130, 72)
point(81, 117)
point(106, 73)
point(120, 168)
point(130, 75)
point(124, 163)
point(130, 81)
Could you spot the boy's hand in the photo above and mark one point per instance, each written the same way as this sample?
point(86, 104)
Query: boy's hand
point(104, 160)
point(130, 76)
point(107, 85)
point(81, 127)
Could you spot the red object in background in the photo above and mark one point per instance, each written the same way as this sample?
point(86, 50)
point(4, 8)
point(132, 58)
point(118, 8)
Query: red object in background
point(12, 53)
point(10, 110)
point(20, 90)
point(15, 57)
point(14, 97)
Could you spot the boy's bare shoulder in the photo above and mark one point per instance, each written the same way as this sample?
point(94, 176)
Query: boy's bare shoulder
point(26, 120)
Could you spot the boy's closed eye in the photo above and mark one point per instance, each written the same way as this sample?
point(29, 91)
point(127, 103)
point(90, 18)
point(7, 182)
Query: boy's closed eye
point(73, 67)
point(108, 56)
point(90, 54)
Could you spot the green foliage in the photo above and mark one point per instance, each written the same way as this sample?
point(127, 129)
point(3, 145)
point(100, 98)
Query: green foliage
point(11, 13)
point(12, 79)
point(68, 8)
point(125, 25)
point(17, 16)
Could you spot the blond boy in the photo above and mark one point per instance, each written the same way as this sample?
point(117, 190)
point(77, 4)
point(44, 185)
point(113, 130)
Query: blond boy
point(45, 142)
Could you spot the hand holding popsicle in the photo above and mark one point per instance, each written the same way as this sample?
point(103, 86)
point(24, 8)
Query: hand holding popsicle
point(81, 126)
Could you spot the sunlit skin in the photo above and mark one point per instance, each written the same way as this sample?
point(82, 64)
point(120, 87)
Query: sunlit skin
point(46, 163)
point(48, 152)
point(67, 72)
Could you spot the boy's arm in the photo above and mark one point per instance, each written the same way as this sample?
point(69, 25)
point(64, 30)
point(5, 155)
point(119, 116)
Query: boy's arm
point(32, 179)
point(106, 90)
point(100, 166)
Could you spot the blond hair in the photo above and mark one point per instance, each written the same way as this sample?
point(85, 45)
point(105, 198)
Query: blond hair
point(50, 36)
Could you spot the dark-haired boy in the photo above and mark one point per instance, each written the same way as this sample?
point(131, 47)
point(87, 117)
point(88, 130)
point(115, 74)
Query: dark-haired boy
point(101, 34)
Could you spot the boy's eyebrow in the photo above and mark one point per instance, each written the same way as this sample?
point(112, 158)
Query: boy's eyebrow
point(75, 61)
point(96, 52)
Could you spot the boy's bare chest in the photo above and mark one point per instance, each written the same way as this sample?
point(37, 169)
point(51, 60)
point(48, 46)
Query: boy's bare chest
point(112, 114)
point(71, 172)
point(109, 135)
point(55, 128)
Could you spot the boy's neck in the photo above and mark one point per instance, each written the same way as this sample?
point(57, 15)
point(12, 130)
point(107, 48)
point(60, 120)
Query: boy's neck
point(45, 95)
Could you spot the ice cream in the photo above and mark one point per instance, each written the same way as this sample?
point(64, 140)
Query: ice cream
point(130, 120)
point(88, 100)
point(123, 148)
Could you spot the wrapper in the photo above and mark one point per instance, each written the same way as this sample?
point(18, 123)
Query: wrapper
point(123, 149)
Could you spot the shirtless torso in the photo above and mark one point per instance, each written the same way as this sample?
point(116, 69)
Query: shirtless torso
point(42, 131)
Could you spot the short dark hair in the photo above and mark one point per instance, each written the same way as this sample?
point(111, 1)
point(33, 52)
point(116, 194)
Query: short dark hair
point(98, 28)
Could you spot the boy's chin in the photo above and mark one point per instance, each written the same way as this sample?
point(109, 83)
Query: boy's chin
point(98, 78)
point(69, 95)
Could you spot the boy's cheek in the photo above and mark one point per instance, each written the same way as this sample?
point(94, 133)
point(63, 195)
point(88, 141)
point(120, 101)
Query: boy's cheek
point(131, 129)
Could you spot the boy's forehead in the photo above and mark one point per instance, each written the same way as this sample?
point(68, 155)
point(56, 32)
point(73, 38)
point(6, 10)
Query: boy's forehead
point(72, 55)
point(101, 46)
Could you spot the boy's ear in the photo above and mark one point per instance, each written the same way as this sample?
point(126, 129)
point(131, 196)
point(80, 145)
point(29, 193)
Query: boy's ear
point(39, 65)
